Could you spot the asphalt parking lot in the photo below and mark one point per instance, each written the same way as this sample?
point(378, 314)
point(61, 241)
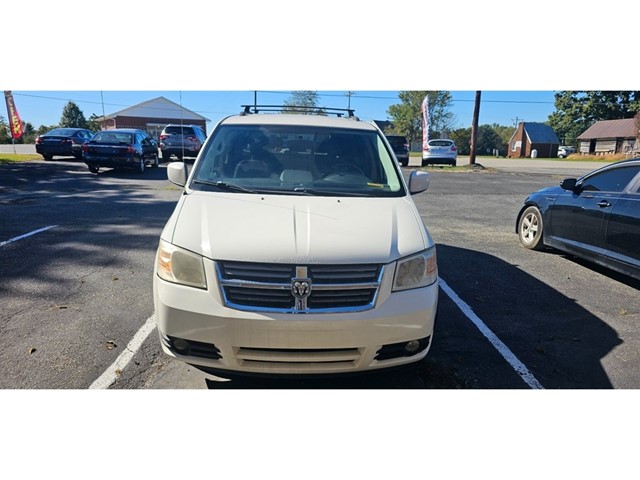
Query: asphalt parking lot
point(78, 309)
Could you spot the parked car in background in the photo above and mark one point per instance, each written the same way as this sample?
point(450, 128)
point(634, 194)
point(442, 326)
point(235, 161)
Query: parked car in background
point(181, 141)
point(63, 142)
point(440, 150)
point(564, 151)
point(121, 148)
point(400, 147)
point(272, 263)
point(596, 217)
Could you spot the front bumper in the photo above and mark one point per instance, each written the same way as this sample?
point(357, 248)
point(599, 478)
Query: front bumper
point(195, 327)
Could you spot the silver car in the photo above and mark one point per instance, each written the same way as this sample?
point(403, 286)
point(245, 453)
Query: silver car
point(181, 141)
point(564, 151)
point(440, 150)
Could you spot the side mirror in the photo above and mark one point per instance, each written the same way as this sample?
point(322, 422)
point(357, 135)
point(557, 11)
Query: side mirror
point(419, 182)
point(568, 184)
point(177, 173)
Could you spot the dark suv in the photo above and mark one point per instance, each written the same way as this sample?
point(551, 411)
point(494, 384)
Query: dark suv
point(181, 141)
point(400, 148)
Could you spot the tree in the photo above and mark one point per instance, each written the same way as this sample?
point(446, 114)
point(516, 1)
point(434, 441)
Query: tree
point(72, 116)
point(5, 135)
point(462, 138)
point(29, 133)
point(505, 133)
point(489, 139)
point(93, 124)
point(44, 129)
point(578, 110)
point(303, 102)
point(406, 117)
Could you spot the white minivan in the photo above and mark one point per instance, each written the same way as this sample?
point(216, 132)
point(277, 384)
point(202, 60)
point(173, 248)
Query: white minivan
point(295, 248)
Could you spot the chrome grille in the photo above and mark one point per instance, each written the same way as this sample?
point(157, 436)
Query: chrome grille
point(268, 287)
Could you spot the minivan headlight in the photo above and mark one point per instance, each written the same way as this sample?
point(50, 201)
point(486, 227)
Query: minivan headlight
point(416, 271)
point(177, 265)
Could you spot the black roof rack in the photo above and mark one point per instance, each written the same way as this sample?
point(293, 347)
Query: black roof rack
point(339, 112)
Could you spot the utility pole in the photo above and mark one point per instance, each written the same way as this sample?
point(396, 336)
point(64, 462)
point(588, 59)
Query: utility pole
point(474, 129)
point(349, 94)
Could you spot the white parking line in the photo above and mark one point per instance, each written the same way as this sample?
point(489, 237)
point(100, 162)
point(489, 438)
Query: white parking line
point(115, 370)
point(507, 354)
point(20, 237)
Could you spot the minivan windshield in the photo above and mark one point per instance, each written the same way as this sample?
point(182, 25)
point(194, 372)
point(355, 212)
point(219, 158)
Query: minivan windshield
point(297, 160)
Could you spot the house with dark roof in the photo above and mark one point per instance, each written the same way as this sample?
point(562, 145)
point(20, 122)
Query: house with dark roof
point(609, 136)
point(532, 139)
point(152, 116)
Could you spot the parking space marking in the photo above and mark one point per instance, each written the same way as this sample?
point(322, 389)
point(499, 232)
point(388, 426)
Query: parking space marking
point(507, 354)
point(115, 370)
point(20, 237)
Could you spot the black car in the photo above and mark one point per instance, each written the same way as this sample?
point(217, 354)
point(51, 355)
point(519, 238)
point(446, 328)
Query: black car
point(400, 147)
point(596, 217)
point(63, 142)
point(121, 148)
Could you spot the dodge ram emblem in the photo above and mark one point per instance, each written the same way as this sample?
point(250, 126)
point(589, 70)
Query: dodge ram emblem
point(301, 288)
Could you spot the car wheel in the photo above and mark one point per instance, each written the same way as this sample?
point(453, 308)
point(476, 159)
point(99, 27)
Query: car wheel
point(48, 158)
point(155, 162)
point(141, 166)
point(530, 229)
point(452, 163)
point(94, 168)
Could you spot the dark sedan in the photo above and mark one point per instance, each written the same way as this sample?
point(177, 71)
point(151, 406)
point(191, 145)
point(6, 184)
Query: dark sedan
point(121, 148)
point(63, 142)
point(596, 217)
point(400, 147)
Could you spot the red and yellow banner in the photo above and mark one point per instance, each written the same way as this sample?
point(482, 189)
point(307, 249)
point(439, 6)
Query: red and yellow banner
point(14, 119)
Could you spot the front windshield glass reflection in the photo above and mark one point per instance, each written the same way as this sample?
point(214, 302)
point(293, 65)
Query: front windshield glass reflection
point(290, 159)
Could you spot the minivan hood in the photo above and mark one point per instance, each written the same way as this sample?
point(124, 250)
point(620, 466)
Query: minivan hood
point(297, 229)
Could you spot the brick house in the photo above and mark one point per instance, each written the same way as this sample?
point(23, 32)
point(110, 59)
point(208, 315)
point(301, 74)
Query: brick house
point(152, 116)
point(530, 136)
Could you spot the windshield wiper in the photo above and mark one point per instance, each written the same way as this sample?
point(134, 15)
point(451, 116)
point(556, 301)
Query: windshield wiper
point(328, 193)
point(225, 186)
